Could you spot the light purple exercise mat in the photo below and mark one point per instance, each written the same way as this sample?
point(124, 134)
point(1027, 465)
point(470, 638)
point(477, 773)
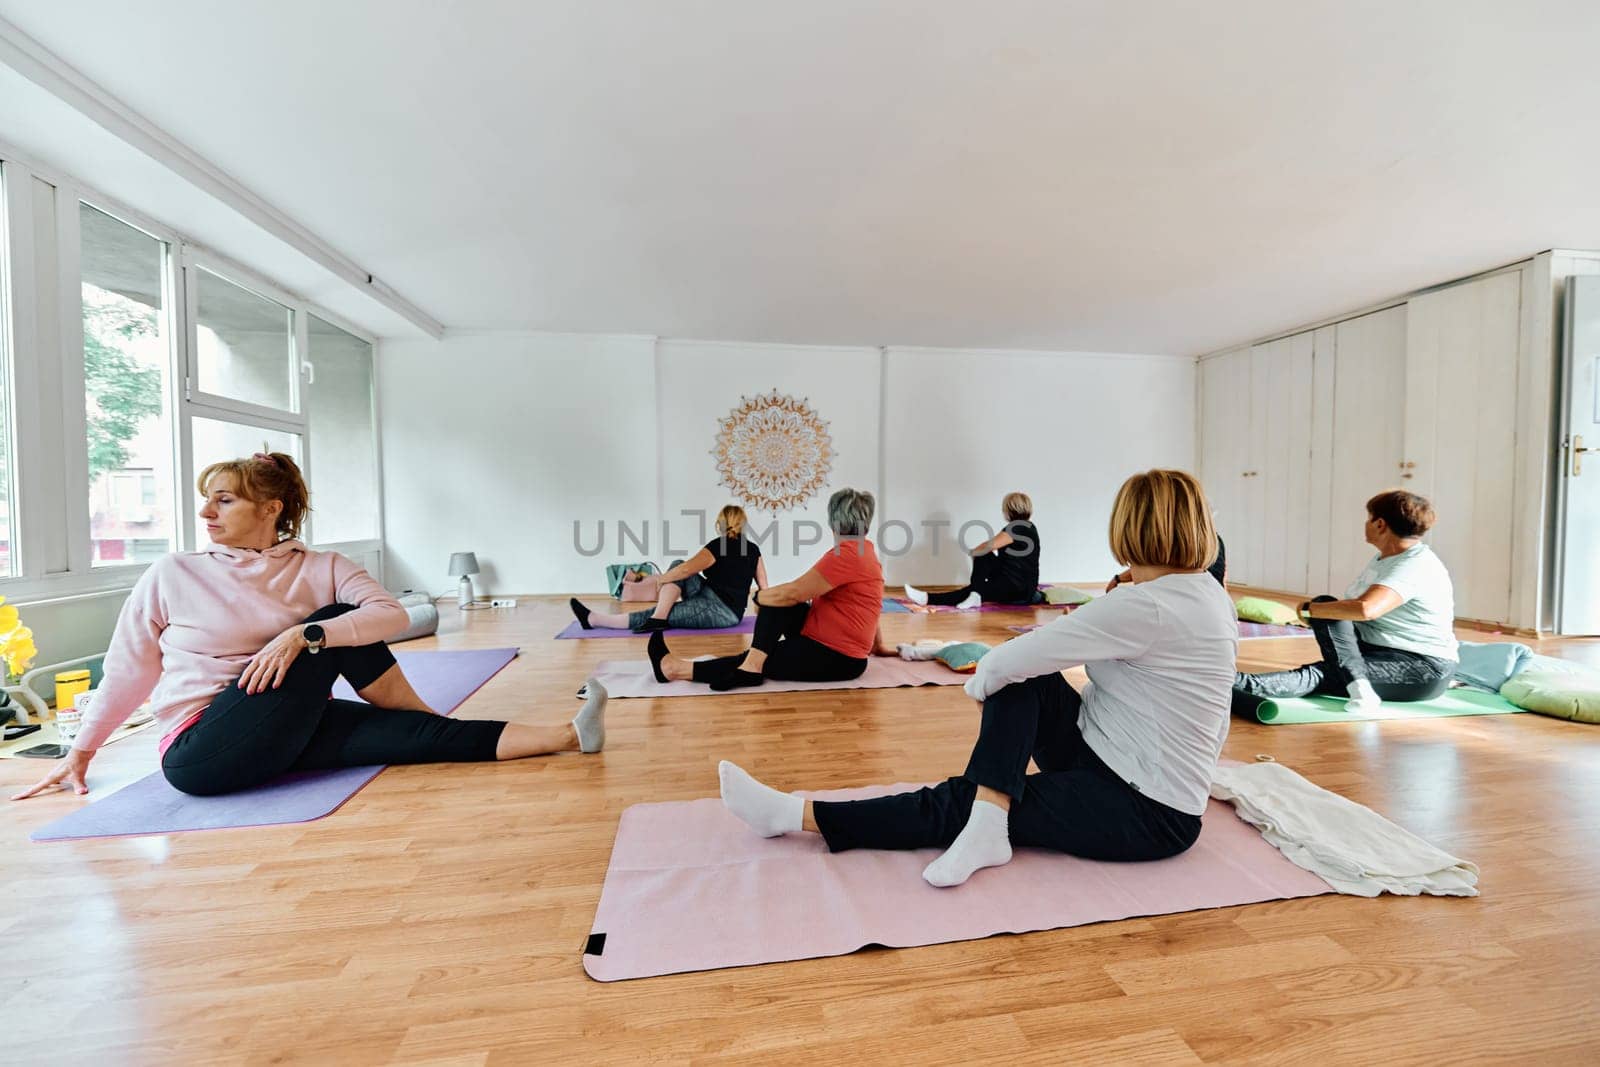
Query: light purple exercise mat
point(150, 806)
point(747, 625)
point(691, 888)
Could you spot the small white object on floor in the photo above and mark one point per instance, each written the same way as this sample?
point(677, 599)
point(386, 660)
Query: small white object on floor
point(984, 842)
point(1363, 698)
point(973, 600)
point(915, 595)
point(763, 809)
point(1351, 847)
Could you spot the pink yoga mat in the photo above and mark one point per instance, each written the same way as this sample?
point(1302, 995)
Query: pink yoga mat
point(691, 888)
point(633, 678)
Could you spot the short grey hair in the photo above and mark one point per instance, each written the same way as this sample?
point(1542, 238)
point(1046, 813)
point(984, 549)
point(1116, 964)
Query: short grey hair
point(850, 512)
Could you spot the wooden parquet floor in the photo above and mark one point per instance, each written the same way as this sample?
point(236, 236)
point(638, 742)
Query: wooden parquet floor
point(438, 917)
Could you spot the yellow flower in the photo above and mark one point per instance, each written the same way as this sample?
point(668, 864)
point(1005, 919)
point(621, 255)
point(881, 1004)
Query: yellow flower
point(18, 650)
point(9, 619)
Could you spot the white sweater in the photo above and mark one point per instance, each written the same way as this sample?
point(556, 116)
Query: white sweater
point(1160, 657)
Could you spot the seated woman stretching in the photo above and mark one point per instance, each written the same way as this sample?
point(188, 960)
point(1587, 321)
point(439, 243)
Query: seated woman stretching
point(238, 645)
point(1392, 637)
point(1005, 568)
point(1125, 767)
point(821, 627)
point(707, 592)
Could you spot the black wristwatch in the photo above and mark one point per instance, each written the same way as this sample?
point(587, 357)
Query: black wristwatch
point(314, 636)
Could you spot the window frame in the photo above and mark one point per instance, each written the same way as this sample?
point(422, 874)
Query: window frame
point(49, 457)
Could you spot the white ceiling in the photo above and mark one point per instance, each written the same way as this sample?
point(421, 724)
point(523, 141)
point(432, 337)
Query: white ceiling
point(1168, 177)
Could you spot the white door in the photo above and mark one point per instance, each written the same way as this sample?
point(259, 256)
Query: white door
point(1224, 448)
point(1281, 485)
point(1369, 385)
point(1462, 347)
point(1578, 552)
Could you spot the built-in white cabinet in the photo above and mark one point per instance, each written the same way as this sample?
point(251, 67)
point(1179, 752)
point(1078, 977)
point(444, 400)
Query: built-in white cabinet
point(1296, 434)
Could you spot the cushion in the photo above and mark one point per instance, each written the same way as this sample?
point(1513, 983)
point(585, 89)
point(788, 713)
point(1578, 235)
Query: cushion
point(1257, 609)
point(424, 617)
point(1066, 594)
point(1566, 696)
point(962, 657)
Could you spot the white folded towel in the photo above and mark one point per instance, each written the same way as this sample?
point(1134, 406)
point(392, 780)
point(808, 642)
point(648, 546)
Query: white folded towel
point(1351, 847)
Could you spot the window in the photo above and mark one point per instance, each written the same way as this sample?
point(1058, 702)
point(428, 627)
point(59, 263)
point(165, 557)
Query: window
point(342, 437)
point(216, 440)
point(244, 343)
point(7, 512)
point(127, 361)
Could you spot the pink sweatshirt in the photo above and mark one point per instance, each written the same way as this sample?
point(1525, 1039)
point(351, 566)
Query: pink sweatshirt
point(195, 618)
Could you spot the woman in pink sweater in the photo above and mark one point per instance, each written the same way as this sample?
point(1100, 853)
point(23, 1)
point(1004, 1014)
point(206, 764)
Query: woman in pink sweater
point(237, 648)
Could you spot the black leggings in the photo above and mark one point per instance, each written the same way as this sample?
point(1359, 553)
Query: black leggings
point(244, 740)
point(791, 657)
point(1076, 805)
point(1395, 673)
point(993, 588)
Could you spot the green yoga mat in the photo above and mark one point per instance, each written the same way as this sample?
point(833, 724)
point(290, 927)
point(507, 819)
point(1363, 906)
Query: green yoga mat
point(1287, 710)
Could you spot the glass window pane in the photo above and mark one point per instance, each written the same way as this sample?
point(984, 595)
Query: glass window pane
point(215, 441)
point(244, 343)
point(127, 361)
point(7, 512)
point(343, 442)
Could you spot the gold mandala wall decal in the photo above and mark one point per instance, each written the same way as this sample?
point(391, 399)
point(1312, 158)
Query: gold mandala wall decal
point(773, 451)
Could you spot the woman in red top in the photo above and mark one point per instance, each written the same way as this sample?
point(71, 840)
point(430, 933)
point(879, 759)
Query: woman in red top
point(821, 627)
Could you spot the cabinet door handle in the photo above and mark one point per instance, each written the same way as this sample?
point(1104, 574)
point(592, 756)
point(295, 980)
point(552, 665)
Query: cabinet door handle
point(1577, 454)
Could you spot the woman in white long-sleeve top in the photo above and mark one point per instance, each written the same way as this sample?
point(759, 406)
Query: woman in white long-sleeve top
point(1125, 765)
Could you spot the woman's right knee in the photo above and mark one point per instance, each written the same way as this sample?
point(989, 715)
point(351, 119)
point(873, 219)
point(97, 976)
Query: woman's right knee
point(332, 611)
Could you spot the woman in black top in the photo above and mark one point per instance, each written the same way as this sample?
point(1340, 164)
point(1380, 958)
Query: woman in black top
point(1005, 568)
point(709, 591)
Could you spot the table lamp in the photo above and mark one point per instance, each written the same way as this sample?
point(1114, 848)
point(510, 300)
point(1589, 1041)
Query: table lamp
point(464, 565)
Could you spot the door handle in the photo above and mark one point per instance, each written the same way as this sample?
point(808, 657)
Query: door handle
point(1577, 454)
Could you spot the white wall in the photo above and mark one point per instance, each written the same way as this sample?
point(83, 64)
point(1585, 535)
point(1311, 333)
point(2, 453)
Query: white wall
point(962, 428)
point(488, 447)
point(494, 443)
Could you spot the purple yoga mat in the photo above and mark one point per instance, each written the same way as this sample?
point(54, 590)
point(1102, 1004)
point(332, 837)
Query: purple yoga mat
point(747, 625)
point(691, 888)
point(150, 806)
point(574, 632)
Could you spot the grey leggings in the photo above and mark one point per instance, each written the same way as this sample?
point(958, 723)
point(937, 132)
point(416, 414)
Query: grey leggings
point(699, 608)
point(1395, 673)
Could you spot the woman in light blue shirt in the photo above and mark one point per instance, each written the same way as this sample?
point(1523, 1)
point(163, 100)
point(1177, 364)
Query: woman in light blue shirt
point(1392, 637)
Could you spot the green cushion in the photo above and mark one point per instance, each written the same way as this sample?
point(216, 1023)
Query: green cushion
point(1566, 696)
point(1066, 594)
point(962, 657)
point(1256, 609)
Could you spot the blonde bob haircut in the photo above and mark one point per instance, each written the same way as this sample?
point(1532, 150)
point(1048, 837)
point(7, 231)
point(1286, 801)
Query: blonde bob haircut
point(1017, 506)
point(1161, 519)
point(731, 520)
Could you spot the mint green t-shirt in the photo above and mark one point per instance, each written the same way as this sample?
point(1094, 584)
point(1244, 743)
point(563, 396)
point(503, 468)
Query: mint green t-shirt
point(1425, 620)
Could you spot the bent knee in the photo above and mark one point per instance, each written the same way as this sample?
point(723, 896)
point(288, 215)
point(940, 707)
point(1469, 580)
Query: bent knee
point(331, 611)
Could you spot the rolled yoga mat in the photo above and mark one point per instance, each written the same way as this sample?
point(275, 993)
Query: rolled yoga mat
point(150, 806)
point(1284, 711)
point(633, 678)
point(691, 888)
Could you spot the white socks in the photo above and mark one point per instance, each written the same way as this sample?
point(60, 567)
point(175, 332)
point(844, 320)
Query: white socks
point(764, 809)
point(973, 600)
point(1362, 697)
point(590, 722)
point(923, 650)
point(984, 842)
point(915, 595)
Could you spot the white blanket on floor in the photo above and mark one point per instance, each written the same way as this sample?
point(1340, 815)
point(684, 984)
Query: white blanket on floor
point(1351, 847)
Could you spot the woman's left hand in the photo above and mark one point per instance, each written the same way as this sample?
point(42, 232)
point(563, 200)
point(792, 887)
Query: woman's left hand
point(267, 667)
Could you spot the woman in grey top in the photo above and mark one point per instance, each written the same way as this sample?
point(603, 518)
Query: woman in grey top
point(1392, 637)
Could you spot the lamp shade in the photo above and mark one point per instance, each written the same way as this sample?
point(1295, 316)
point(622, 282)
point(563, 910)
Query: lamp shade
point(463, 563)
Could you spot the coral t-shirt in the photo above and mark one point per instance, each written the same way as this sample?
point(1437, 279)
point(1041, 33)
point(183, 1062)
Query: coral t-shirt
point(845, 618)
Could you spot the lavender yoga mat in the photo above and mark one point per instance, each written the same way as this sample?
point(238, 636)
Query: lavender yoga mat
point(691, 888)
point(150, 806)
point(632, 678)
point(747, 625)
